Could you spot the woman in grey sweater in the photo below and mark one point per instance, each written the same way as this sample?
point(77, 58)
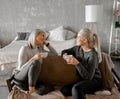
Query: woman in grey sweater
point(85, 57)
point(30, 60)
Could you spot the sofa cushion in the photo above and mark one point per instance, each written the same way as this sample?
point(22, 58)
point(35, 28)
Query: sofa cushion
point(57, 72)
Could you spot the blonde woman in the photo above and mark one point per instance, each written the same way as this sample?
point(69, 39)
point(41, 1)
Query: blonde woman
point(85, 57)
point(30, 60)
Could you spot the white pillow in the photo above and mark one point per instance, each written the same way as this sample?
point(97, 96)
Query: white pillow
point(58, 34)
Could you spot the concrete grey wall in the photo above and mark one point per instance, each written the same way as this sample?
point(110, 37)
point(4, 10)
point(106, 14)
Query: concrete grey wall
point(25, 15)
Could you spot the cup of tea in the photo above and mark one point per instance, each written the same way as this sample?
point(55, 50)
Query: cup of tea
point(44, 54)
point(68, 58)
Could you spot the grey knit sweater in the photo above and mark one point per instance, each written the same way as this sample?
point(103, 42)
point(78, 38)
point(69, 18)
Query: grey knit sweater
point(88, 62)
point(26, 53)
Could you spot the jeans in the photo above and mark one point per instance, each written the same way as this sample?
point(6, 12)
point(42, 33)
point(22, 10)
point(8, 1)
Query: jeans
point(78, 90)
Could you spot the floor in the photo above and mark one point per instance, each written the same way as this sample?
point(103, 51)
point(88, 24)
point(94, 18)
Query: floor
point(3, 92)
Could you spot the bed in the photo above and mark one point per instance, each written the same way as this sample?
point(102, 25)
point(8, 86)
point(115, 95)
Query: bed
point(8, 59)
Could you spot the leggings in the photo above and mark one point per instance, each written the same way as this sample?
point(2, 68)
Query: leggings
point(28, 76)
point(81, 88)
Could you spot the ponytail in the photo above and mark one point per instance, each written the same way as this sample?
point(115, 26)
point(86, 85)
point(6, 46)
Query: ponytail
point(92, 40)
point(96, 44)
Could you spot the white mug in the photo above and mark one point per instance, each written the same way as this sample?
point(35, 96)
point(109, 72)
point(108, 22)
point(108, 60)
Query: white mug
point(68, 58)
point(44, 54)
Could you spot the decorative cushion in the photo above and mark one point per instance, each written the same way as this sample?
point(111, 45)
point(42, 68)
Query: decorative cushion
point(57, 34)
point(70, 35)
point(22, 35)
point(61, 34)
point(56, 71)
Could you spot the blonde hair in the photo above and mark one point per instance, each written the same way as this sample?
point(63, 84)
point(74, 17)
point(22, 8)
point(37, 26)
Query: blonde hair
point(33, 34)
point(93, 41)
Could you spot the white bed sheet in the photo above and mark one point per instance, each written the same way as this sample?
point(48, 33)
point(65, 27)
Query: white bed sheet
point(9, 55)
point(8, 60)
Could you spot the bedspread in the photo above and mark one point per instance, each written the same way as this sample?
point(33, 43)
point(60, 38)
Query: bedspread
point(9, 56)
point(8, 59)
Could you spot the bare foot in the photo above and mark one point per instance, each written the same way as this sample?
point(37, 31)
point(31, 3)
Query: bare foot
point(31, 89)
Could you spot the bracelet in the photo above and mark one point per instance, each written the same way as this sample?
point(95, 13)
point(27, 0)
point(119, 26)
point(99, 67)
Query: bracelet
point(47, 44)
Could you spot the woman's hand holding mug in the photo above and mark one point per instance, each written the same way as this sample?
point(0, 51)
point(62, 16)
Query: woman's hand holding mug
point(37, 56)
point(67, 58)
point(70, 59)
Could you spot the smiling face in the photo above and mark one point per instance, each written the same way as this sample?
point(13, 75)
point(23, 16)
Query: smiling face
point(40, 38)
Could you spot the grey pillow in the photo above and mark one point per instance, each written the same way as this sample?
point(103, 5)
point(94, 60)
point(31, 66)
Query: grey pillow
point(23, 35)
point(70, 35)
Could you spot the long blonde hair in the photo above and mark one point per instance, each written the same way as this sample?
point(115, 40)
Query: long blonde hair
point(93, 41)
point(33, 34)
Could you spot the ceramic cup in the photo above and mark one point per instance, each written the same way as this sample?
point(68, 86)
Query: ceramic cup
point(44, 54)
point(68, 58)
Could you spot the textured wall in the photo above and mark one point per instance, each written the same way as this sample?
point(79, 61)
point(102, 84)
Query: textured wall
point(25, 15)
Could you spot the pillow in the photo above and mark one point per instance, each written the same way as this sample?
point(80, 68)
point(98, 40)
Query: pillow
point(58, 34)
point(22, 35)
point(56, 71)
point(70, 35)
